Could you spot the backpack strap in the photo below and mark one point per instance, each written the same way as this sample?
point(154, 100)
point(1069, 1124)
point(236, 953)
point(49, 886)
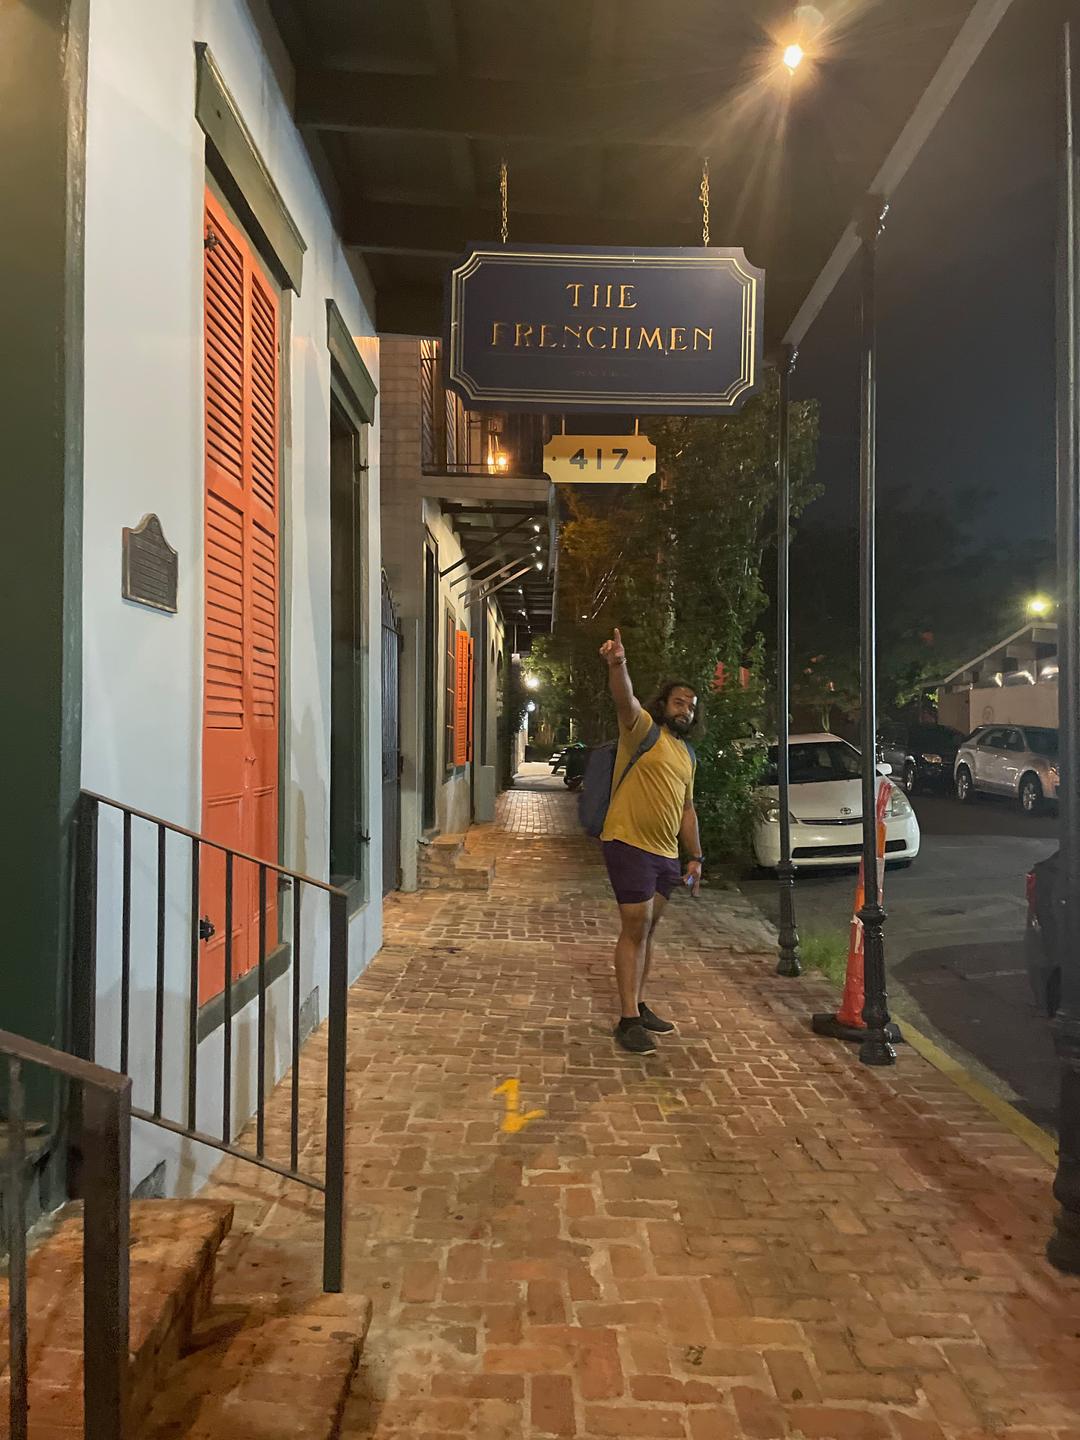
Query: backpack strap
point(650, 740)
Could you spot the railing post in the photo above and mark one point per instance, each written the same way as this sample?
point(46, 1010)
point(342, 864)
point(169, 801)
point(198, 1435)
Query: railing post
point(84, 970)
point(106, 1223)
point(336, 1060)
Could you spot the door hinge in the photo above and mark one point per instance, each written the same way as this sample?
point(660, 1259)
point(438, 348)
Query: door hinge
point(207, 929)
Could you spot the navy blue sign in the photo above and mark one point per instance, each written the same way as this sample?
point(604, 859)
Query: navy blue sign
point(668, 332)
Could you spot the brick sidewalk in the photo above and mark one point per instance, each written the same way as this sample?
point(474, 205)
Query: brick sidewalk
point(748, 1235)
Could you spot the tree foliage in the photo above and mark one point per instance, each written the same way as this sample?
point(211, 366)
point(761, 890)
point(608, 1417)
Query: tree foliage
point(676, 565)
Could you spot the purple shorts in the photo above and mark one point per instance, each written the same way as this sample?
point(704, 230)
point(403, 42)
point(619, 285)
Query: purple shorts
point(637, 875)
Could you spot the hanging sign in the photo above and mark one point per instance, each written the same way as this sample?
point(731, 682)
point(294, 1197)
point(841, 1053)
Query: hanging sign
point(565, 330)
point(599, 459)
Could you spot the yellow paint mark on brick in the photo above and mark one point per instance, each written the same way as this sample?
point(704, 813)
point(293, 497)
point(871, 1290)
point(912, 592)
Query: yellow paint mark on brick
point(1032, 1135)
point(513, 1120)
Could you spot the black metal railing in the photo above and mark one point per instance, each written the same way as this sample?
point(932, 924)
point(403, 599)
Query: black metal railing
point(458, 441)
point(104, 1108)
point(288, 948)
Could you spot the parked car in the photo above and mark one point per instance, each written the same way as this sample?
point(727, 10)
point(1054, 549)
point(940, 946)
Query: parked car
point(922, 757)
point(826, 808)
point(1043, 935)
point(1020, 761)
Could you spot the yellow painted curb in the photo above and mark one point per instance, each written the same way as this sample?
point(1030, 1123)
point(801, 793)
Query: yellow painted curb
point(1032, 1135)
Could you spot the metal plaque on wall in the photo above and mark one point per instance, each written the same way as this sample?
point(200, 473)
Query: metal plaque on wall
point(150, 566)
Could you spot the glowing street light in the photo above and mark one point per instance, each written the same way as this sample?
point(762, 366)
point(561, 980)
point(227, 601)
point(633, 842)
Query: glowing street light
point(1038, 606)
point(532, 682)
point(794, 55)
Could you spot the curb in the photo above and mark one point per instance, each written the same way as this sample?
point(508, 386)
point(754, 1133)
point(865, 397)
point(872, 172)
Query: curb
point(1025, 1130)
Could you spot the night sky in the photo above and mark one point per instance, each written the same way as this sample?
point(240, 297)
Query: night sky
point(966, 398)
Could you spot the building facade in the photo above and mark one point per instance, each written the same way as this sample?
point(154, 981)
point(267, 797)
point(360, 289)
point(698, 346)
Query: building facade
point(219, 642)
point(468, 546)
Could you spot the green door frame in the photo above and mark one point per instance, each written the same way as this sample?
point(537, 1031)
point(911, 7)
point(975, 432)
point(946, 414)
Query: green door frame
point(42, 187)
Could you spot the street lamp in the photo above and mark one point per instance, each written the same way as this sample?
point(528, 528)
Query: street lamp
point(794, 55)
point(532, 682)
point(1038, 606)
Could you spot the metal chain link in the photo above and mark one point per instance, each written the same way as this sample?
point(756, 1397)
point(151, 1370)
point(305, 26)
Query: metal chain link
point(504, 200)
point(703, 195)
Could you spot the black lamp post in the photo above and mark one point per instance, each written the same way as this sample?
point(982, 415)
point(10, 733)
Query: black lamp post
point(875, 1048)
point(788, 963)
point(1064, 1247)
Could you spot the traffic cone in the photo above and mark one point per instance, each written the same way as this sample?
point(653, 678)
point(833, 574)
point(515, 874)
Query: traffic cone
point(848, 1023)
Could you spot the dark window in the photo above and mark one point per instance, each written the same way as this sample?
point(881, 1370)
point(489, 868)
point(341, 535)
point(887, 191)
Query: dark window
point(348, 800)
point(935, 737)
point(992, 740)
point(1042, 741)
point(431, 679)
point(450, 663)
point(816, 761)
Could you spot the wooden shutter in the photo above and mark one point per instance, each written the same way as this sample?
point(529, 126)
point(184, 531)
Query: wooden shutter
point(241, 645)
point(461, 700)
point(471, 708)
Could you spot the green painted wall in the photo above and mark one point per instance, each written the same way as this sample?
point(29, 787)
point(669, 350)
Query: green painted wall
point(42, 137)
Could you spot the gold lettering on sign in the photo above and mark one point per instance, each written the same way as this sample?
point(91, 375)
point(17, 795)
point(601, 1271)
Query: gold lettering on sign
point(703, 335)
point(650, 339)
point(625, 303)
point(571, 332)
point(589, 334)
point(575, 295)
point(678, 338)
point(544, 343)
point(522, 336)
point(495, 328)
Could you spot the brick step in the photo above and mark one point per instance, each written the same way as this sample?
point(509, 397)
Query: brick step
point(258, 1374)
point(172, 1251)
point(445, 864)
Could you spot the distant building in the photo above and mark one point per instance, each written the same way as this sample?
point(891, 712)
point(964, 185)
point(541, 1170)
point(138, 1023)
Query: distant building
point(1014, 682)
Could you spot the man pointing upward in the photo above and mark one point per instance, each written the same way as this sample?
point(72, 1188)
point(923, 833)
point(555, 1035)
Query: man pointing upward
point(648, 816)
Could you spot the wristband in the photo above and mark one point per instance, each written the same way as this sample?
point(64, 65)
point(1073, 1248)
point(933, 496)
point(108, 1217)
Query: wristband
point(695, 859)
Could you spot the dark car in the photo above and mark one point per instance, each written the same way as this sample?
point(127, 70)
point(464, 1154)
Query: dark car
point(1043, 936)
point(921, 756)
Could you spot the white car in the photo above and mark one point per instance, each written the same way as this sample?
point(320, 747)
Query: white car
point(826, 808)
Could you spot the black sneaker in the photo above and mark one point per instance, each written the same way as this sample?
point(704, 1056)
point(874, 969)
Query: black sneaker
point(653, 1022)
point(633, 1036)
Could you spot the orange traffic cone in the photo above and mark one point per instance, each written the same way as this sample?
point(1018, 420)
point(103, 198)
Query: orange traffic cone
point(848, 1023)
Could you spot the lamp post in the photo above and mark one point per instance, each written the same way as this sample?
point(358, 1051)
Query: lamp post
point(1063, 1249)
point(788, 963)
point(875, 1048)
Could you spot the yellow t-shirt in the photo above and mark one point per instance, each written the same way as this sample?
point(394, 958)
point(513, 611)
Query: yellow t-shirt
point(646, 810)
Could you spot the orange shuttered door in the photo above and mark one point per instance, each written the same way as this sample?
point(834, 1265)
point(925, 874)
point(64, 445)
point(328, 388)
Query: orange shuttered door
point(241, 659)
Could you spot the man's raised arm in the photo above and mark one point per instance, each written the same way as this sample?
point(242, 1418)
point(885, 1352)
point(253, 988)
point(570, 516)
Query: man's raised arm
point(622, 692)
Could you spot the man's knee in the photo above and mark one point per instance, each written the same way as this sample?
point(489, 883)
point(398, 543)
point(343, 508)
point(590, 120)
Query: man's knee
point(637, 928)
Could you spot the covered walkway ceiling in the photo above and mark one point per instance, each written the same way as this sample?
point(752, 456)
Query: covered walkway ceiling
point(603, 110)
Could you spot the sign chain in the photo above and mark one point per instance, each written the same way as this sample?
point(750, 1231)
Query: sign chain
point(703, 195)
point(504, 200)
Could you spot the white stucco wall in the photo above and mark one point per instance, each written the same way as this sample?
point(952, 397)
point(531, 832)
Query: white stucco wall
point(144, 452)
point(1001, 705)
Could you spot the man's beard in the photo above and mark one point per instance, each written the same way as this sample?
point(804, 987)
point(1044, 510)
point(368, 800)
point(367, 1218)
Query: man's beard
point(678, 723)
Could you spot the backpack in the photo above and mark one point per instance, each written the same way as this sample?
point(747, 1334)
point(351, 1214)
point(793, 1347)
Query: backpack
point(597, 788)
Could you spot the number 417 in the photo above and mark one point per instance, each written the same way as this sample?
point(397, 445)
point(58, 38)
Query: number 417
point(580, 459)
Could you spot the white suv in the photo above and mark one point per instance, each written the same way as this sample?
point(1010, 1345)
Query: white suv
point(1016, 760)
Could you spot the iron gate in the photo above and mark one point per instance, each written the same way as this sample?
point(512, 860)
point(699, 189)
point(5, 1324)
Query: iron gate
point(391, 741)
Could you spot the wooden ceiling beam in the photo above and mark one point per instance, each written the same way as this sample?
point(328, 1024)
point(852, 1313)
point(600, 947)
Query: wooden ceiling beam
point(683, 114)
point(446, 231)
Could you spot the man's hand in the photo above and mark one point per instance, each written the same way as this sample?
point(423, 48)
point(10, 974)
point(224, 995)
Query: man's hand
point(612, 651)
point(692, 878)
